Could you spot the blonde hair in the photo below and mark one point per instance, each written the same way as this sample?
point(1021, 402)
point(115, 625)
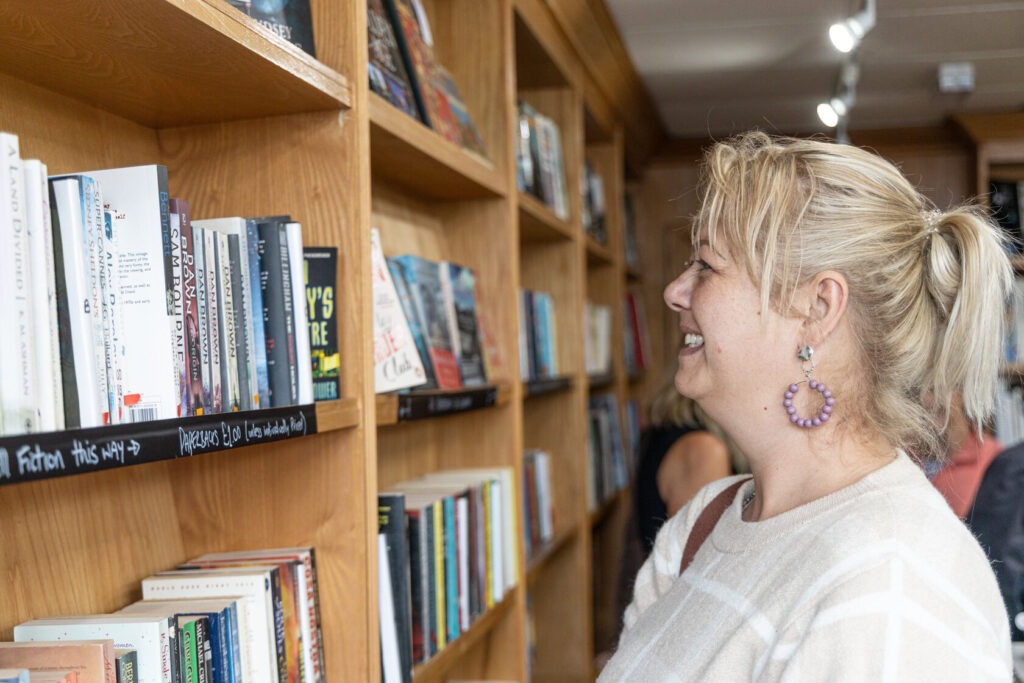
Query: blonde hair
point(927, 288)
point(669, 408)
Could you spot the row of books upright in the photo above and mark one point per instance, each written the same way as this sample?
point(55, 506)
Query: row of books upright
point(405, 70)
point(592, 189)
point(538, 506)
point(122, 308)
point(227, 617)
point(597, 339)
point(538, 339)
point(427, 331)
point(540, 163)
point(448, 553)
point(610, 463)
point(634, 334)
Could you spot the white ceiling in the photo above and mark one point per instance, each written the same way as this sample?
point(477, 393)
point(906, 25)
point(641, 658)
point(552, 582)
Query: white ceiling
point(715, 67)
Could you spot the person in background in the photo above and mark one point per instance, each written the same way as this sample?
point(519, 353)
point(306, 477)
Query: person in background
point(679, 452)
point(960, 475)
point(830, 316)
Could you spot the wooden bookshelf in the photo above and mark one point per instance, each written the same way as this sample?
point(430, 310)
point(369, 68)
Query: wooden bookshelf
point(248, 124)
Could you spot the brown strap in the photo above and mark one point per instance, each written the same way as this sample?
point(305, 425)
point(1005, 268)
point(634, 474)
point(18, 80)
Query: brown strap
point(706, 521)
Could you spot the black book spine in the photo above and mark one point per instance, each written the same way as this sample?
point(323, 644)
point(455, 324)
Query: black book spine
point(392, 523)
point(271, 287)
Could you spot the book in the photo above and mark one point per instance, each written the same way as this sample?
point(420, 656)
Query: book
point(301, 561)
point(17, 343)
point(321, 277)
point(14, 676)
point(251, 588)
point(413, 320)
point(47, 375)
point(459, 288)
point(149, 371)
point(418, 56)
point(178, 335)
point(396, 361)
point(113, 311)
point(468, 132)
point(230, 333)
point(277, 317)
point(252, 239)
point(94, 222)
point(83, 403)
point(392, 525)
point(52, 677)
point(388, 77)
point(190, 310)
point(291, 20)
point(126, 665)
point(391, 662)
point(91, 660)
point(149, 636)
point(423, 278)
point(214, 324)
point(292, 233)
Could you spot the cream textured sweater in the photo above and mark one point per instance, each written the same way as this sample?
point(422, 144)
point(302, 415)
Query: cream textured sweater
point(876, 582)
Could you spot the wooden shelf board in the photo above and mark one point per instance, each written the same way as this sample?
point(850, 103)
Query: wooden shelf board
point(535, 565)
point(419, 405)
point(602, 381)
point(633, 275)
point(164, 63)
point(436, 668)
point(598, 254)
point(340, 414)
point(605, 507)
point(538, 222)
point(404, 151)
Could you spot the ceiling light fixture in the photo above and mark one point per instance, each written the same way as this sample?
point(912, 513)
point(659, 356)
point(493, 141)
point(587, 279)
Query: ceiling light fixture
point(847, 34)
point(838, 107)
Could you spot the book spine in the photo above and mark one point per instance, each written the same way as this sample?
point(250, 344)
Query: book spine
point(46, 372)
point(248, 386)
point(289, 314)
point(17, 347)
point(229, 344)
point(113, 312)
point(392, 523)
point(177, 316)
point(202, 319)
point(320, 267)
point(440, 575)
point(259, 338)
point(277, 620)
point(126, 666)
point(190, 313)
point(303, 352)
point(92, 236)
point(204, 651)
point(188, 655)
point(272, 286)
point(214, 324)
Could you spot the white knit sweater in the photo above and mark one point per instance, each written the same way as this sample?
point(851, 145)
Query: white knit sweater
point(876, 582)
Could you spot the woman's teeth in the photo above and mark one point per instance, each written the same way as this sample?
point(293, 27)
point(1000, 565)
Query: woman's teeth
point(692, 341)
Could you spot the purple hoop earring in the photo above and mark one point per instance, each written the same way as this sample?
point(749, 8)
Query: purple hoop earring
point(805, 354)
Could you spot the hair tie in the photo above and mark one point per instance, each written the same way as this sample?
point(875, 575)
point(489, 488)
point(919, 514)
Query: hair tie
point(931, 221)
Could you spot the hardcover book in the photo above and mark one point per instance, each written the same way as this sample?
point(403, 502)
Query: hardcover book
point(275, 279)
point(423, 278)
point(300, 324)
point(291, 20)
point(388, 77)
point(397, 363)
point(321, 277)
point(393, 526)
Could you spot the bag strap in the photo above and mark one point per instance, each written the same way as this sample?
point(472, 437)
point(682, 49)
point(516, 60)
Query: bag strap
point(706, 522)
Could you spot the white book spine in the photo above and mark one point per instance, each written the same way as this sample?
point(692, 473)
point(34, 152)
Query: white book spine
point(49, 392)
point(229, 336)
point(113, 323)
point(303, 352)
point(68, 197)
point(203, 322)
point(177, 318)
point(92, 237)
point(17, 366)
point(214, 326)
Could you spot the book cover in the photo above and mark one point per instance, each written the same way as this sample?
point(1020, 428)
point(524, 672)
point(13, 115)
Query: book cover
point(423, 278)
point(230, 341)
point(17, 343)
point(126, 665)
point(392, 524)
point(149, 636)
point(252, 240)
point(47, 374)
point(14, 676)
point(292, 234)
point(178, 310)
point(388, 77)
point(413, 321)
point(420, 580)
point(113, 311)
point(277, 321)
point(397, 363)
point(214, 324)
point(149, 370)
point(91, 659)
point(418, 56)
point(460, 284)
point(251, 588)
point(94, 223)
point(203, 321)
point(321, 278)
point(291, 20)
point(190, 310)
point(79, 372)
point(468, 132)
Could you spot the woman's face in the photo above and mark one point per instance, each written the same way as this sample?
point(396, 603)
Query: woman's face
point(732, 360)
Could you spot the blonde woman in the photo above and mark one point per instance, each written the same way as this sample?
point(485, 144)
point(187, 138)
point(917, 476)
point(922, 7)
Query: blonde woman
point(830, 316)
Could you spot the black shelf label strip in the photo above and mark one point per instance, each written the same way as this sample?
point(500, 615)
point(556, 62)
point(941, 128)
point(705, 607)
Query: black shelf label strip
point(417, 406)
point(31, 457)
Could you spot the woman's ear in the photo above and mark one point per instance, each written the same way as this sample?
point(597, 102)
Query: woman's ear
point(829, 293)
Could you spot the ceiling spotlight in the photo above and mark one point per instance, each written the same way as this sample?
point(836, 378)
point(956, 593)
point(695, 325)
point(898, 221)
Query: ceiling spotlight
point(833, 112)
point(828, 115)
point(846, 35)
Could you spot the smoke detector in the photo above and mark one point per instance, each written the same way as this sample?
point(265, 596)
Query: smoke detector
point(956, 77)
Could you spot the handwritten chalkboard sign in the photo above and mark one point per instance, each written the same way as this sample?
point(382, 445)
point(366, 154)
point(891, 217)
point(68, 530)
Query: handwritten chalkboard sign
point(31, 457)
point(536, 387)
point(425, 404)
